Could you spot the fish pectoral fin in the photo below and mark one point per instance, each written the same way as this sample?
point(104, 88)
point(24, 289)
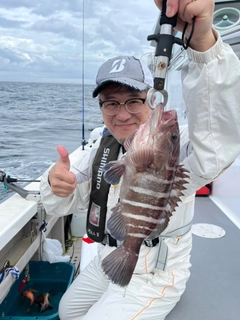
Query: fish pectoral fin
point(116, 224)
point(113, 171)
point(142, 158)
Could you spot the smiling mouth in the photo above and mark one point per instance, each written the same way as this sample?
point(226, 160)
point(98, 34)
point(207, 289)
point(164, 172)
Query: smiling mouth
point(125, 124)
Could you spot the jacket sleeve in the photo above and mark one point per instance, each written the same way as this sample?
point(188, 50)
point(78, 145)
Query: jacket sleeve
point(211, 92)
point(58, 206)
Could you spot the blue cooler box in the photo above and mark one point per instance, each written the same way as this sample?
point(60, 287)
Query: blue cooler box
point(53, 278)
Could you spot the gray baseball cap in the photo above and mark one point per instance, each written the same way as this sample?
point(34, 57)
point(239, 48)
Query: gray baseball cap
point(125, 70)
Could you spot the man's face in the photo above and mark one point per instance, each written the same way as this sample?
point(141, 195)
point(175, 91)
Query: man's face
point(123, 124)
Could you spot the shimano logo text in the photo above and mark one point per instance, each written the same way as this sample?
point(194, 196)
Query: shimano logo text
point(102, 164)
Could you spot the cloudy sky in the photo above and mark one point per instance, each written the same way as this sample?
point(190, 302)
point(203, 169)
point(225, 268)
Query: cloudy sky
point(41, 40)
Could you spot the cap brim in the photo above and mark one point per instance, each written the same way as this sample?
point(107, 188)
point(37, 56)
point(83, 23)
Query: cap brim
point(128, 82)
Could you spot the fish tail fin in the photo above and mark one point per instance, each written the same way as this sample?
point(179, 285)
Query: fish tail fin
point(119, 265)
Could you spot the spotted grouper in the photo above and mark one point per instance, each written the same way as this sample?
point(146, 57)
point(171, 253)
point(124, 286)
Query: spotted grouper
point(152, 183)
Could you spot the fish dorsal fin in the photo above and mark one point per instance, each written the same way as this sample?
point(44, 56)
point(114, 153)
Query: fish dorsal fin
point(180, 180)
point(142, 158)
point(113, 171)
point(128, 141)
point(116, 224)
point(178, 186)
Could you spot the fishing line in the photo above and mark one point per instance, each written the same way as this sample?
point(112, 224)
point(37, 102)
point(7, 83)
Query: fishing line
point(185, 46)
point(79, 171)
point(73, 251)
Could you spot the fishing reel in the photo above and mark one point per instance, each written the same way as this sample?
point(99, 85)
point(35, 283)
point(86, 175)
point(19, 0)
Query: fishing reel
point(8, 183)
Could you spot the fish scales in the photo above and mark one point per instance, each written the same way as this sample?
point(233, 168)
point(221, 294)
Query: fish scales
point(152, 184)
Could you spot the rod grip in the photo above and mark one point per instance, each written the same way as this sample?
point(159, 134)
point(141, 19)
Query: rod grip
point(166, 20)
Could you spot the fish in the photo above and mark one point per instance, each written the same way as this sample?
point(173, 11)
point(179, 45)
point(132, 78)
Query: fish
point(43, 302)
point(29, 295)
point(152, 183)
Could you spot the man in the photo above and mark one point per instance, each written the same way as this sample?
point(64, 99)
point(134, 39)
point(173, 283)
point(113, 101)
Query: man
point(209, 144)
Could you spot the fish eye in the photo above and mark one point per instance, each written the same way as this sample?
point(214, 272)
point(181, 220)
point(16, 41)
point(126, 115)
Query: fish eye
point(174, 136)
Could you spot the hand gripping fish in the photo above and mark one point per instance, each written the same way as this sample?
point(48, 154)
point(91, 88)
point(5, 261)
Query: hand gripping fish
point(152, 184)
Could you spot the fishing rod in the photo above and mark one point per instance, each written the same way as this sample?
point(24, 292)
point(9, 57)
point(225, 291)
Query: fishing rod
point(83, 138)
point(8, 183)
point(165, 40)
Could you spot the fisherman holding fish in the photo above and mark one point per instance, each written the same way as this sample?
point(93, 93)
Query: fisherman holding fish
point(142, 218)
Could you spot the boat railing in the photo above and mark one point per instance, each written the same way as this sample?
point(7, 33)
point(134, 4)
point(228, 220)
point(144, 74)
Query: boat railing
point(20, 237)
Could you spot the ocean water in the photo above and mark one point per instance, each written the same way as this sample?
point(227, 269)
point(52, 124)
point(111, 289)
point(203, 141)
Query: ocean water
point(34, 119)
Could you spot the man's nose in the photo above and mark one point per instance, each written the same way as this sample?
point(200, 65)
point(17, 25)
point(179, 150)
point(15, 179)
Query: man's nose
point(123, 114)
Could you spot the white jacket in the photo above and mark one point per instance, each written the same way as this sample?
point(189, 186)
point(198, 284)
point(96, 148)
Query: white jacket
point(209, 144)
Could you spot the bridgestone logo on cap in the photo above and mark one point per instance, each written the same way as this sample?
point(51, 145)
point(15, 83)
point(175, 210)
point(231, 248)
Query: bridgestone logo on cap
point(118, 65)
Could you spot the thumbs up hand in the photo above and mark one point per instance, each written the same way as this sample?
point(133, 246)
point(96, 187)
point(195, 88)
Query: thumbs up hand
point(62, 181)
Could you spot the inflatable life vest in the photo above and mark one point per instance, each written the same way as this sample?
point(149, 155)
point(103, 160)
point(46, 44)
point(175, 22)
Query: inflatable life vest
point(97, 209)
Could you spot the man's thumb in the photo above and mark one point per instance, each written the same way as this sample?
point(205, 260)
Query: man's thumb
point(64, 156)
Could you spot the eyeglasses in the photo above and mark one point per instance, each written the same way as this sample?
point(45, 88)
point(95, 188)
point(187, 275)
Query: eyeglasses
point(112, 107)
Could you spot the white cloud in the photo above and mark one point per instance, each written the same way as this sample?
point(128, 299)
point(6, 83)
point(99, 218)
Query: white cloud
point(42, 40)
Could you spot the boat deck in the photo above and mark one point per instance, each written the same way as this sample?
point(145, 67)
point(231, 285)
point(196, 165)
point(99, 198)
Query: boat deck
point(213, 290)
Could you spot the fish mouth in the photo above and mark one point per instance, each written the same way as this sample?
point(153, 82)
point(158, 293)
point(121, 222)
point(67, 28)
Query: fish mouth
point(169, 117)
point(163, 120)
point(168, 120)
